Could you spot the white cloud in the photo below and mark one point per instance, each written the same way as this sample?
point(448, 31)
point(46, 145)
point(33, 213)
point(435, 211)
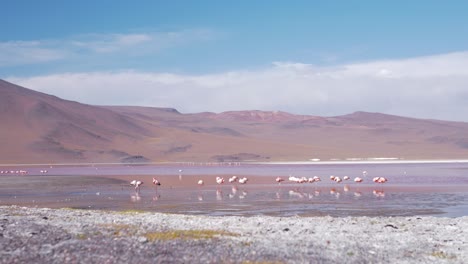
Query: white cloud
point(92, 46)
point(425, 87)
point(14, 53)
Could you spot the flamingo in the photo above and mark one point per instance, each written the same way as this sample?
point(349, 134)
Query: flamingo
point(314, 179)
point(219, 180)
point(232, 179)
point(358, 179)
point(337, 179)
point(156, 182)
point(136, 184)
point(345, 178)
point(200, 182)
point(332, 178)
point(303, 180)
point(243, 180)
point(380, 180)
point(293, 179)
point(279, 179)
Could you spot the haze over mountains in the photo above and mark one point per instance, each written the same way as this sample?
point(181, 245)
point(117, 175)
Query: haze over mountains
point(40, 128)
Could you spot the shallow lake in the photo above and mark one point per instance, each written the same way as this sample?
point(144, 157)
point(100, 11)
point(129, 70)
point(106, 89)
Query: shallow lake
point(438, 189)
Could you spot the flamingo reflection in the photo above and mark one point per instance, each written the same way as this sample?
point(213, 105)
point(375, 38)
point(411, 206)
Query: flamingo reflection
point(378, 193)
point(219, 195)
point(346, 188)
point(297, 194)
point(243, 195)
point(156, 197)
point(135, 197)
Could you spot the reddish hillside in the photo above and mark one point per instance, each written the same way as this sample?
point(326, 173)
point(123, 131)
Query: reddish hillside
point(39, 128)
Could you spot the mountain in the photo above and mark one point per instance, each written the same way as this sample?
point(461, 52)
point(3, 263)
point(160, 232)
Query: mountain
point(40, 128)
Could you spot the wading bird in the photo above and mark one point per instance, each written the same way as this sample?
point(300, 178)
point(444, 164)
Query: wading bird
point(243, 180)
point(136, 184)
point(358, 179)
point(379, 180)
point(219, 180)
point(156, 182)
point(337, 179)
point(233, 179)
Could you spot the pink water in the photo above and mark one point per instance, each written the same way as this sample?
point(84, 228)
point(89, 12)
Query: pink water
point(412, 189)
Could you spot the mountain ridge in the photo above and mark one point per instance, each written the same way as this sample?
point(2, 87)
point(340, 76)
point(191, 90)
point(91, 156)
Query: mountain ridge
point(41, 128)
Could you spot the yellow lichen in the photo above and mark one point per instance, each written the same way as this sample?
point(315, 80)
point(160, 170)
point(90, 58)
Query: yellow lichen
point(442, 255)
point(81, 236)
point(186, 234)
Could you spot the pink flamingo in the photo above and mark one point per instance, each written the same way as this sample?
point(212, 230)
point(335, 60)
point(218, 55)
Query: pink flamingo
point(156, 182)
point(232, 179)
point(358, 180)
point(293, 179)
point(200, 182)
point(279, 180)
point(219, 180)
point(137, 184)
point(379, 179)
point(314, 179)
point(243, 180)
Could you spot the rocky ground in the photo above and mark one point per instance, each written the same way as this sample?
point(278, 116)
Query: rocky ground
point(40, 235)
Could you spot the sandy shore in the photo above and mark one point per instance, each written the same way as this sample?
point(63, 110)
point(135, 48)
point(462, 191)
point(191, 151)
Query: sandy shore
point(40, 235)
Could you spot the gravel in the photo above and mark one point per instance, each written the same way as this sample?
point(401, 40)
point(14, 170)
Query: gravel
point(42, 235)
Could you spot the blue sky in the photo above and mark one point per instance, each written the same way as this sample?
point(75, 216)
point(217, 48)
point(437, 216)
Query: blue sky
point(306, 57)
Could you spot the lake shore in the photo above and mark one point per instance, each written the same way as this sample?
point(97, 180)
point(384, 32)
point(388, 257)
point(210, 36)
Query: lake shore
point(43, 235)
point(252, 162)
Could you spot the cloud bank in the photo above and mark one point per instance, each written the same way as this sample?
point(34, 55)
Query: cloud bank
point(425, 87)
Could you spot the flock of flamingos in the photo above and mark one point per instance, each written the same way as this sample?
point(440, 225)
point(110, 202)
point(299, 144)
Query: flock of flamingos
point(243, 180)
point(279, 180)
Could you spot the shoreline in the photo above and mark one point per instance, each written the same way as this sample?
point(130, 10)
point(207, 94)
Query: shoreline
point(45, 235)
point(232, 163)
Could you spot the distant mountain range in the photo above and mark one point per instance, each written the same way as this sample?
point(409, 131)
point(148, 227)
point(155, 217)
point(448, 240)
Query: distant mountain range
point(40, 128)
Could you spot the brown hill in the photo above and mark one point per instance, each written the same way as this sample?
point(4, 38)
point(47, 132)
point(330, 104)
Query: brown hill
point(39, 128)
